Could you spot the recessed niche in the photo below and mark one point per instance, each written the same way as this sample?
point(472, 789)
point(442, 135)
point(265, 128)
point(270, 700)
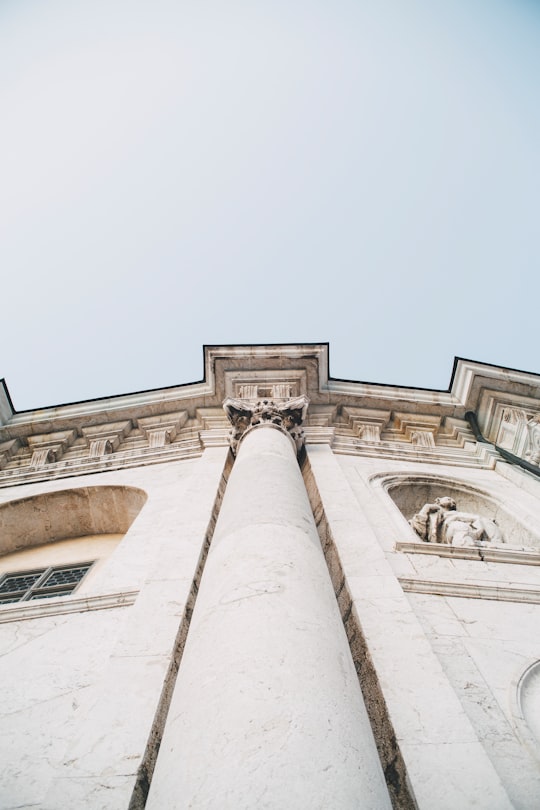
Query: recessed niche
point(72, 513)
point(412, 493)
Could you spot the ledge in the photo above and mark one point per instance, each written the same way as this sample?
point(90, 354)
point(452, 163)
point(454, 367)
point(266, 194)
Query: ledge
point(472, 590)
point(478, 554)
point(58, 606)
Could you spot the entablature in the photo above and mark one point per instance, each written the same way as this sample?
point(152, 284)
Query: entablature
point(354, 417)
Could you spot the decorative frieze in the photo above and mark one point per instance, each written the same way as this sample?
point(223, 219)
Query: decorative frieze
point(248, 391)
point(274, 391)
point(288, 416)
point(256, 384)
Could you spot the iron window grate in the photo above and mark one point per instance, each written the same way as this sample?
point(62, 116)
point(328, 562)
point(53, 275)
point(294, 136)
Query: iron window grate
point(19, 582)
point(25, 586)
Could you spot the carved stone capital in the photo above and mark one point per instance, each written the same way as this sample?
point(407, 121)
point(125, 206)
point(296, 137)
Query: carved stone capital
point(287, 416)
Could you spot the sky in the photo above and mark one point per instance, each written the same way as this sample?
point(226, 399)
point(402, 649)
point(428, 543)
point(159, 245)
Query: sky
point(189, 172)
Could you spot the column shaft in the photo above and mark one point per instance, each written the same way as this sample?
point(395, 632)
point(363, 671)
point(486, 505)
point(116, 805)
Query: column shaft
point(267, 711)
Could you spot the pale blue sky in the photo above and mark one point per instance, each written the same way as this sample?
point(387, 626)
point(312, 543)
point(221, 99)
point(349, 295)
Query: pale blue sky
point(180, 173)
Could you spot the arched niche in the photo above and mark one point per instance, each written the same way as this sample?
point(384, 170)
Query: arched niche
point(68, 514)
point(410, 492)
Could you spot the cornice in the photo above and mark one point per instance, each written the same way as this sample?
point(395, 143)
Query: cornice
point(470, 378)
point(463, 391)
point(141, 457)
point(356, 417)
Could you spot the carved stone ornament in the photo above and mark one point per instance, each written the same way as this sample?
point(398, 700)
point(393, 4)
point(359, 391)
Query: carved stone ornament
point(533, 431)
point(100, 447)
point(369, 433)
point(422, 438)
point(288, 416)
point(440, 522)
point(160, 436)
point(43, 456)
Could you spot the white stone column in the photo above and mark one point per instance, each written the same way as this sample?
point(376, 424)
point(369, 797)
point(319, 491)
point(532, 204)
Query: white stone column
point(267, 711)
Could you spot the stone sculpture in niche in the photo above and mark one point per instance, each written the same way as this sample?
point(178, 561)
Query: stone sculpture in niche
point(288, 416)
point(440, 522)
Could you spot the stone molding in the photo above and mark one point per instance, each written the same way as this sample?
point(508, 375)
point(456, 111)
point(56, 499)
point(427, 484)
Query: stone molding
point(474, 454)
point(510, 555)
point(140, 457)
point(438, 434)
point(58, 606)
point(287, 416)
point(471, 590)
point(241, 363)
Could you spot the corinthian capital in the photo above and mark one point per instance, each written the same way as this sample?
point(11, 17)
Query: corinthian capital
point(287, 416)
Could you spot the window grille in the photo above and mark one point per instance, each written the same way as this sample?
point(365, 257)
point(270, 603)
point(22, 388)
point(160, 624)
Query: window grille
point(43, 583)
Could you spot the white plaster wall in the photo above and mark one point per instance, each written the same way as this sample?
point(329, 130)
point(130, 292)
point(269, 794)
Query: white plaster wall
point(49, 668)
point(80, 691)
point(483, 646)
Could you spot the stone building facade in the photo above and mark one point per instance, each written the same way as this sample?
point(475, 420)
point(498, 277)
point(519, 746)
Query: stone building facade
point(273, 589)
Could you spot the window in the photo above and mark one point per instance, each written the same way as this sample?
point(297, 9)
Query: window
point(42, 583)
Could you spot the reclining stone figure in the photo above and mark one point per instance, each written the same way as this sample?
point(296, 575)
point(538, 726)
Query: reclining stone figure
point(440, 522)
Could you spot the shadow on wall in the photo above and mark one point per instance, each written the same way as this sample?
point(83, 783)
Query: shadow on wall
point(410, 495)
point(69, 513)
